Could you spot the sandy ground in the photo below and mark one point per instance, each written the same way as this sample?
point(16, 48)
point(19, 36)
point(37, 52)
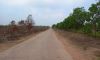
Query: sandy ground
point(8, 44)
point(44, 46)
point(76, 53)
point(81, 47)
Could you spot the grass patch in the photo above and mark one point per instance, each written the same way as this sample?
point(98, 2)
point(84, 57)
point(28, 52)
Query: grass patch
point(98, 58)
point(97, 34)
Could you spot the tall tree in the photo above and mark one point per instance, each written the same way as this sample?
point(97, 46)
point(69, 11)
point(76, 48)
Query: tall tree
point(30, 20)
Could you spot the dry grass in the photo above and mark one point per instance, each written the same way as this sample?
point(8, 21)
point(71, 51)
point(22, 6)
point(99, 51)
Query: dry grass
point(8, 39)
point(8, 44)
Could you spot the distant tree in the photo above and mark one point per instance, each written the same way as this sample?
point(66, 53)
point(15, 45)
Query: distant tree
point(80, 19)
point(21, 23)
point(30, 22)
point(76, 19)
point(53, 26)
point(13, 26)
point(13, 22)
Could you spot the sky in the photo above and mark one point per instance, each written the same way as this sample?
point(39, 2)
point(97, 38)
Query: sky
point(44, 12)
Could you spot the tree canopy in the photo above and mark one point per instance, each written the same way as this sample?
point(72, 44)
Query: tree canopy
point(82, 20)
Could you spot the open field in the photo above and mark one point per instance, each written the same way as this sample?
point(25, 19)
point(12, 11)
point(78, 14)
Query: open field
point(44, 46)
point(89, 46)
point(8, 44)
point(9, 39)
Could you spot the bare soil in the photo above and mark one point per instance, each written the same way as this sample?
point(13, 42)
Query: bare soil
point(9, 38)
point(80, 46)
point(44, 46)
point(8, 44)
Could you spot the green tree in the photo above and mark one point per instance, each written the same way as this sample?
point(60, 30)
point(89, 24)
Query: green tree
point(81, 19)
point(94, 11)
point(87, 28)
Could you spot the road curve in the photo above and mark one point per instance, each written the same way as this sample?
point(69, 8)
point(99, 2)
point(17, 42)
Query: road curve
point(44, 46)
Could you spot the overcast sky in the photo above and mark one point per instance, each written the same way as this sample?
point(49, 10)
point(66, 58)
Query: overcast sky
point(44, 12)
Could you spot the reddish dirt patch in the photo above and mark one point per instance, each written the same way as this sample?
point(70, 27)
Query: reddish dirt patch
point(81, 47)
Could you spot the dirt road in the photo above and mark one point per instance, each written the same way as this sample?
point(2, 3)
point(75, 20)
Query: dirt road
point(44, 46)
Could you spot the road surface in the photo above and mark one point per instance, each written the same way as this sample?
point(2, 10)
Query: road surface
point(44, 46)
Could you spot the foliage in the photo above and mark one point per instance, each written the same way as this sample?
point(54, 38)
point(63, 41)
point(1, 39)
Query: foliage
point(13, 22)
point(87, 28)
point(21, 22)
point(80, 19)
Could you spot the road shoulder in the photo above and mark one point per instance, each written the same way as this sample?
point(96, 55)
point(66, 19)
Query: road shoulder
point(74, 51)
point(6, 45)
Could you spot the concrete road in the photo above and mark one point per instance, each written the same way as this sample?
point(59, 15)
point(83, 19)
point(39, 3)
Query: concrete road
point(44, 46)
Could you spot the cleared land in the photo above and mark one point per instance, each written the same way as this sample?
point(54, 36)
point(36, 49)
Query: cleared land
point(44, 46)
point(9, 39)
point(80, 45)
point(8, 44)
point(54, 45)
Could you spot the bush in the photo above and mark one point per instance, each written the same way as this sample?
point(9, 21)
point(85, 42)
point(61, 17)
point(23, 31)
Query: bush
point(87, 28)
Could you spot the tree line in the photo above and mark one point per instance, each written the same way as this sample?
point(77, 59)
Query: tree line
point(15, 30)
point(22, 28)
point(29, 23)
point(82, 20)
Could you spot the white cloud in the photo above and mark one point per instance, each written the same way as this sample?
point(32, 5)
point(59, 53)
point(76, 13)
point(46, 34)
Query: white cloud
point(41, 2)
point(43, 11)
point(63, 2)
point(16, 2)
point(47, 16)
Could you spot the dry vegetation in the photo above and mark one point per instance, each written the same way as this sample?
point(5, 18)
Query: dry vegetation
point(8, 33)
point(12, 35)
point(17, 32)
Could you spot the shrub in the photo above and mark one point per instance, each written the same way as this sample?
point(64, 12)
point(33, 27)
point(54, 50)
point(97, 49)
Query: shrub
point(87, 28)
